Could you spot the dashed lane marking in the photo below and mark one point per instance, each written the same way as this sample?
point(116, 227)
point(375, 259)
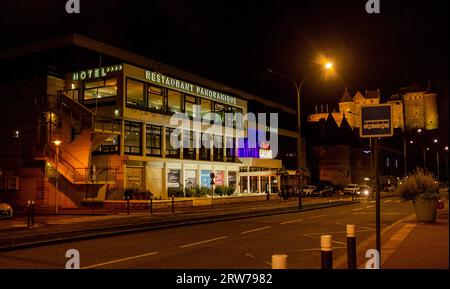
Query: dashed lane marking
point(318, 216)
point(292, 221)
point(120, 260)
point(254, 230)
point(202, 242)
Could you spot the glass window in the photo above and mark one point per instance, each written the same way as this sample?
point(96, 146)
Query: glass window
point(188, 145)
point(154, 140)
point(174, 101)
point(230, 149)
point(171, 152)
point(135, 93)
point(206, 106)
point(100, 88)
point(189, 102)
point(205, 151)
point(232, 179)
point(220, 110)
point(132, 138)
point(109, 146)
point(156, 99)
point(218, 148)
point(244, 184)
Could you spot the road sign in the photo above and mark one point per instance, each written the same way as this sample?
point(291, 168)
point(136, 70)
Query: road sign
point(376, 121)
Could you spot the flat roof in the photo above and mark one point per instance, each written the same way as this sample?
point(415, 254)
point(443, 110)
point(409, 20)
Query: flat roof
point(135, 59)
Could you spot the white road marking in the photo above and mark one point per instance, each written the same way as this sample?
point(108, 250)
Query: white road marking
point(120, 260)
point(369, 207)
point(372, 202)
point(202, 242)
point(289, 222)
point(254, 230)
point(314, 217)
point(398, 201)
point(357, 209)
point(253, 257)
point(317, 249)
point(387, 201)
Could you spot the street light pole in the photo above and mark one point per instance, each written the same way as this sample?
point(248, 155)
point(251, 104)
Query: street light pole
point(57, 143)
point(298, 89)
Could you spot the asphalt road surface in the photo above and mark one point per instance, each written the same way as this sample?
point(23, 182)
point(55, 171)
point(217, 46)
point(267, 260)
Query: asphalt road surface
point(237, 244)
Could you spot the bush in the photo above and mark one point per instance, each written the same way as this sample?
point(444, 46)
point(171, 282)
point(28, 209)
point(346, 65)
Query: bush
point(176, 192)
point(420, 184)
point(190, 191)
point(202, 191)
point(223, 191)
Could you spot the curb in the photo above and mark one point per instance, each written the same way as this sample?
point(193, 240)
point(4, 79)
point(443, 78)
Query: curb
point(102, 232)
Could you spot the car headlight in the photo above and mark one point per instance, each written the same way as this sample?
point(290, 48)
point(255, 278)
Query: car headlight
point(366, 192)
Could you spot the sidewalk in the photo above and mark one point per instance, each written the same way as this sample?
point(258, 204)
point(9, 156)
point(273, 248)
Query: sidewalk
point(419, 245)
point(408, 244)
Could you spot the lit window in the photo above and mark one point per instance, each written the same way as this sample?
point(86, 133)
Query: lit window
point(155, 96)
point(100, 88)
point(135, 93)
point(174, 101)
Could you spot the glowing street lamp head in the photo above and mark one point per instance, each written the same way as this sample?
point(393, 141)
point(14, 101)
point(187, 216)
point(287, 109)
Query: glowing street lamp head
point(419, 130)
point(328, 65)
point(57, 142)
point(435, 140)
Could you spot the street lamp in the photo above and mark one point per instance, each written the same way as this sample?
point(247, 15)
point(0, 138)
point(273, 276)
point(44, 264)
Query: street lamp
point(57, 144)
point(326, 66)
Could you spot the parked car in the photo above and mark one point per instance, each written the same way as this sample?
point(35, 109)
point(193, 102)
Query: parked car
point(308, 190)
point(5, 210)
point(351, 189)
point(324, 191)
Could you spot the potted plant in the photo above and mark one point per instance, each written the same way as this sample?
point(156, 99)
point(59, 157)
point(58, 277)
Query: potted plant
point(423, 190)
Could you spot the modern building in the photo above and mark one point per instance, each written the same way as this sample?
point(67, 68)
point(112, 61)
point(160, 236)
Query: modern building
point(85, 120)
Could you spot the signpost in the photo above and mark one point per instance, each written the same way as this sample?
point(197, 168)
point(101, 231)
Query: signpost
point(376, 122)
point(299, 174)
point(212, 176)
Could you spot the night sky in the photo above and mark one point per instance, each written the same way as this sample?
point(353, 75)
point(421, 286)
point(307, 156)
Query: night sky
point(234, 42)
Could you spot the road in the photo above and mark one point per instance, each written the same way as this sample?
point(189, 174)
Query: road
point(237, 244)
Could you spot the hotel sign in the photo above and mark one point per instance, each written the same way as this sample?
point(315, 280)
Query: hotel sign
point(95, 72)
point(187, 87)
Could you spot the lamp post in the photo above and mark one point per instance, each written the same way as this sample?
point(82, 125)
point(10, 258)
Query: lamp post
point(57, 144)
point(327, 66)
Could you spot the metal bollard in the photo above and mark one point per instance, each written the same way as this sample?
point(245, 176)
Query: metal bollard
point(128, 205)
point(279, 261)
point(28, 214)
point(151, 205)
point(173, 204)
point(32, 213)
point(326, 252)
point(351, 247)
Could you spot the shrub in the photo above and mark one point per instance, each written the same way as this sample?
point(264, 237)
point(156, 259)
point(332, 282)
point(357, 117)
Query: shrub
point(223, 191)
point(190, 191)
point(202, 191)
point(420, 184)
point(176, 192)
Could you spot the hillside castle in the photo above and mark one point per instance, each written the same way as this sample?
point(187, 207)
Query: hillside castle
point(413, 108)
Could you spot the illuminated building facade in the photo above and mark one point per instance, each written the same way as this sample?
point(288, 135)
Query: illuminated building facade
point(111, 109)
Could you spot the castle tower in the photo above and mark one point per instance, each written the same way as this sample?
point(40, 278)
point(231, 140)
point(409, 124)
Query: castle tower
point(430, 109)
point(414, 110)
point(397, 111)
point(347, 108)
